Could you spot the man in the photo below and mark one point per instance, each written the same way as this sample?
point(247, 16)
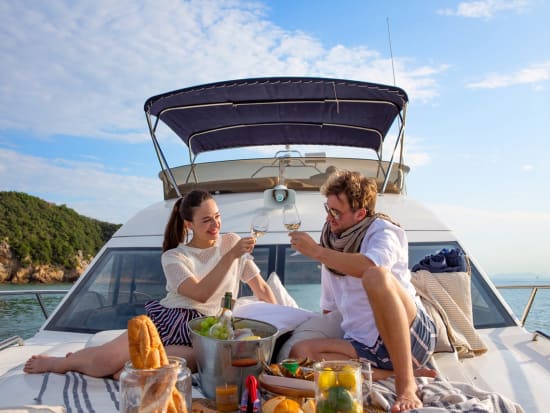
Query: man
point(365, 276)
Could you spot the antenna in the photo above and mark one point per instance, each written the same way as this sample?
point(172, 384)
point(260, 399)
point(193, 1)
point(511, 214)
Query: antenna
point(391, 52)
point(400, 121)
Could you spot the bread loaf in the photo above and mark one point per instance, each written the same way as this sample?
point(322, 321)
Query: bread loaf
point(147, 352)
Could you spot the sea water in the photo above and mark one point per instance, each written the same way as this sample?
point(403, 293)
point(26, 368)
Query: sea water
point(22, 316)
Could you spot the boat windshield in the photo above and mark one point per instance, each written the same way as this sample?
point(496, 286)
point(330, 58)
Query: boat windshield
point(124, 279)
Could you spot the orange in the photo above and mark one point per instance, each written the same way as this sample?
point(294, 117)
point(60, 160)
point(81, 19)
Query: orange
point(281, 404)
point(288, 406)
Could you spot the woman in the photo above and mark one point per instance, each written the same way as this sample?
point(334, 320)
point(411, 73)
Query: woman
point(198, 273)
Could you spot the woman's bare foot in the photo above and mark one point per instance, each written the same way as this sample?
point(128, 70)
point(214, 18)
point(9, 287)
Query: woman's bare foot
point(44, 364)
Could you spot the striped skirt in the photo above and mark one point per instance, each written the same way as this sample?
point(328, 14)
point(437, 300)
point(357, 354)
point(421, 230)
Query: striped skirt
point(172, 323)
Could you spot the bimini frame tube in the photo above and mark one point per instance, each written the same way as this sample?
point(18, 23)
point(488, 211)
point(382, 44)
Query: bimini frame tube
point(399, 140)
point(160, 155)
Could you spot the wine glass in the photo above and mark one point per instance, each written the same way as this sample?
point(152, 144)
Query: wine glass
point(258, 227)
point(292, 221)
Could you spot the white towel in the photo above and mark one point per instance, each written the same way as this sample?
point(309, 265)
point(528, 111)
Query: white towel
point(79, 393)
point(33, 409)
point(452, 397)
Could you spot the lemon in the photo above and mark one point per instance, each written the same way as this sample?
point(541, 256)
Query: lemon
point(248, 338)
point(357, 407)
point(346, 378)
point(326, 379)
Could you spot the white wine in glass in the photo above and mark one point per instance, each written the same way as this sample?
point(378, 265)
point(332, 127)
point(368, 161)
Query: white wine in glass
point(258, 227)
point(293, 226)
point(291, 218)
point(292, 221)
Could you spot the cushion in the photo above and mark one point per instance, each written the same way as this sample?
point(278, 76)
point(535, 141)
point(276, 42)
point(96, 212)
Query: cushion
point(103, 337)
point(447, 298)
point(281, 294)
point(283, 317)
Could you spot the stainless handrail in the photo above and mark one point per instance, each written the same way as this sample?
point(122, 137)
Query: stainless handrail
point(10, 342)
point(534, 289)
point(37, 293)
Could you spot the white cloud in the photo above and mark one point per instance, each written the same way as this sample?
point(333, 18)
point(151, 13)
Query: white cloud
point(83, 69)
point(415, 159)
point(485, 8)
point(534, 74)
point(85, 187)
point(528, 168)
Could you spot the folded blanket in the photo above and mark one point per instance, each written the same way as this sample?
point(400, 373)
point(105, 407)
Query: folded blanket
point(451, 397)
point(447, 298)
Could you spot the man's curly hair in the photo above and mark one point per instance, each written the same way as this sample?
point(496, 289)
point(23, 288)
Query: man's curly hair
point(359, 190)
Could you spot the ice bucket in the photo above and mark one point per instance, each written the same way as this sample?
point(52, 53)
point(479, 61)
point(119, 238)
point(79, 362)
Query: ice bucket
point(221, 362)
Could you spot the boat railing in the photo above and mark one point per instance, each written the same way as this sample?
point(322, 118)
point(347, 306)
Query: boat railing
point(10, 342)
point(527, 309)
point(37, 294)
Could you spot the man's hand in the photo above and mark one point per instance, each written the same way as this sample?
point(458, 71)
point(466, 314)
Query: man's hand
point(304, 244)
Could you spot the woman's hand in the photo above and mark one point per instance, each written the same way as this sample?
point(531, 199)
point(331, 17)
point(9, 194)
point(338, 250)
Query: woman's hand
point(243, 246)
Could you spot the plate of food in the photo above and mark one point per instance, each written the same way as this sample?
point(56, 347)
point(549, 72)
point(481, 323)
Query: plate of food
point(288, 379)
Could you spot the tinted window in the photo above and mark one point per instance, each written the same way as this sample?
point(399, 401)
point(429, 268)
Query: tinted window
point(115, 290)
point(123, 280)
point(302, 277)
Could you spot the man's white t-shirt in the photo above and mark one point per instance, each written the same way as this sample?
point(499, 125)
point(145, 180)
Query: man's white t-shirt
point(385, 245)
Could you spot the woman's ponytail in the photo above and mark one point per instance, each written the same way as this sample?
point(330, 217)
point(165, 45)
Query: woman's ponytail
point(176, 230)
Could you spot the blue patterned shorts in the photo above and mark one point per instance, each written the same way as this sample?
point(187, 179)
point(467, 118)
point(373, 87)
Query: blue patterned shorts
point(423, 339)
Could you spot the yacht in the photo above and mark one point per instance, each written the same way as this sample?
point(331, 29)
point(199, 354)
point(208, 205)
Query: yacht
point(277, 140)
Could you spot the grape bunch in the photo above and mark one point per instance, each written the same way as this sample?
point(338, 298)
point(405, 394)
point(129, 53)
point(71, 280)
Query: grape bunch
point(204, 328)
point(213, 327)
point(219, 331)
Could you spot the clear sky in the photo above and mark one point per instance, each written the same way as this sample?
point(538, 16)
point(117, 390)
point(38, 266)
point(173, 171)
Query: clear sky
point(75, 76)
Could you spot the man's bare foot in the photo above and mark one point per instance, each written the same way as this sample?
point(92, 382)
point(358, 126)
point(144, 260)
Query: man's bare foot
point(43, 364)
point(406, 401)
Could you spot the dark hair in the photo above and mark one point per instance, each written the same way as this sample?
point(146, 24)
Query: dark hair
point(359, 190)
point(183, 210)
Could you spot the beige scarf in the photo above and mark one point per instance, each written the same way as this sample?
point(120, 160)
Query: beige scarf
point(350, 240)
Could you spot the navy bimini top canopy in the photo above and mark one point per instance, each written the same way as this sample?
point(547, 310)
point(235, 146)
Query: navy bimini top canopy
point(279, 111)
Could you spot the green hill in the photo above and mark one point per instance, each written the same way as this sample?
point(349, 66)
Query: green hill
point(39, 232)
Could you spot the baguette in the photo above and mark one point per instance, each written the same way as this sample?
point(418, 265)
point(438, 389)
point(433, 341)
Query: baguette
point(147, 352)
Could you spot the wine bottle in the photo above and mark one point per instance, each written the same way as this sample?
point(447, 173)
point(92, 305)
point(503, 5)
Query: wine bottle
point(223, 329)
